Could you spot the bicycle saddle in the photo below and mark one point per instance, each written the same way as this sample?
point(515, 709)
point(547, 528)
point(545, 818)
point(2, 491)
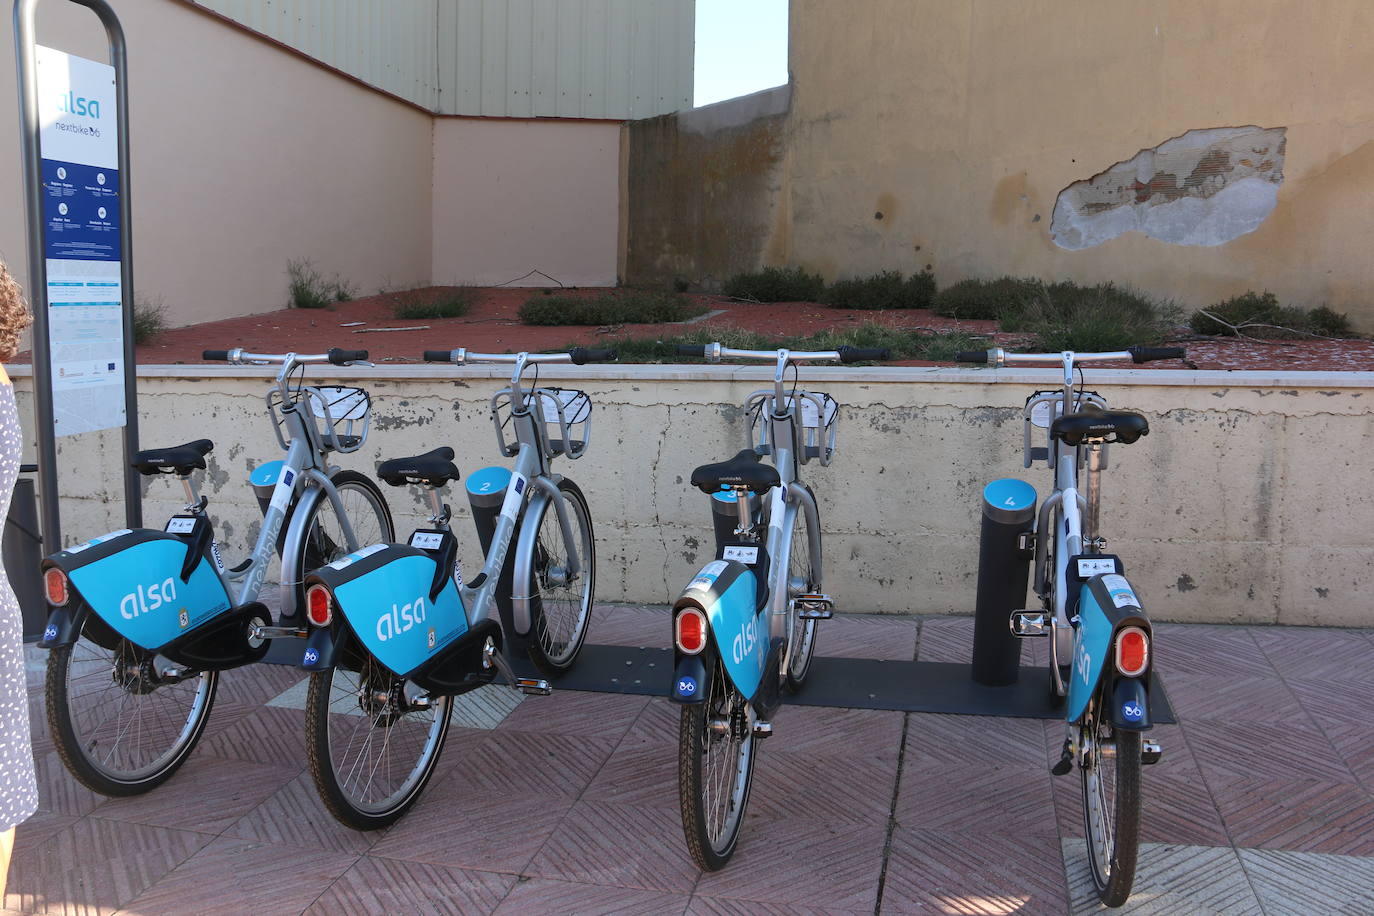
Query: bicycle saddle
point(180, 459)
point(435, 468)
point(743, 470)
point(1092, 422)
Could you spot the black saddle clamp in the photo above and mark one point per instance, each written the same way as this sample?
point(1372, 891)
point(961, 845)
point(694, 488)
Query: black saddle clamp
point(744, 471)
point(179, 459)
point(434, 468)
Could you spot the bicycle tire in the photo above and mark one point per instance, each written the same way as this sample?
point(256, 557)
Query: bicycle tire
point(802, 573)
point(108, 699)
point(343, 715)
point(560, 612)
point(712, 825)
point(324, 542)
point(1111, 814)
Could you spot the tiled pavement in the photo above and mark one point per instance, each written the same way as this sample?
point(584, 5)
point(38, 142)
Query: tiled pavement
point(1263, 803)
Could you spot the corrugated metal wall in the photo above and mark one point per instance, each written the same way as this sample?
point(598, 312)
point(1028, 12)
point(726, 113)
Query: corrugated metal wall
point(497, 58)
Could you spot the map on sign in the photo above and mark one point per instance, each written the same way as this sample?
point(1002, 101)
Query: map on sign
point(81, 241)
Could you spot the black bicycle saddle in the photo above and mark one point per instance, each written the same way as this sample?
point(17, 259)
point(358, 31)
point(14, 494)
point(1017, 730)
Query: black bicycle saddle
point(435, 468)
point(1095, 423)
point(744, 470)
point(179, 459)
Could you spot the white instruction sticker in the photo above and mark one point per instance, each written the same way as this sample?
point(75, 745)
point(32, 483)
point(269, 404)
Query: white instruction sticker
point(180, 524)
point(574, 411)
point(356, 556)
point(427, 540)
point(811, 414)
point(1120, 590)
point(1091, 566)
point(708, 575)
point(746, 555)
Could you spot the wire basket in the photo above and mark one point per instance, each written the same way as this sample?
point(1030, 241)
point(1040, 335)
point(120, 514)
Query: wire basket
point(815, 423)
point(564, 415)
point(340, 415)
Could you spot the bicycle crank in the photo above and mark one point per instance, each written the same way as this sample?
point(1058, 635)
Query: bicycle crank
point(531, 686)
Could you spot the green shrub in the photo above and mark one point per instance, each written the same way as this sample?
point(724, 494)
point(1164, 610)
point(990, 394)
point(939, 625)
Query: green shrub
point(986, 299)
point(1066, 316)
point(150, 318)
point(887, 290)
point(450, 302)
point(776, 284)
point(618, 307)
point(310, 289)
point(1260, 315)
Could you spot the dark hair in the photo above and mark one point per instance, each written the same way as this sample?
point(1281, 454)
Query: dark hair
point(14, 314)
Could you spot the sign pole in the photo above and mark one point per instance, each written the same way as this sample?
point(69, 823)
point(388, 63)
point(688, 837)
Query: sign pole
point(44, 415)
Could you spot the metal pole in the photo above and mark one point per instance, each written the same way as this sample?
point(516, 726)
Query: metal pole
point(24, 37)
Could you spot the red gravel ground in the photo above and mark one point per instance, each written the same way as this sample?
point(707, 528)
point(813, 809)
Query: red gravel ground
point(493, 326)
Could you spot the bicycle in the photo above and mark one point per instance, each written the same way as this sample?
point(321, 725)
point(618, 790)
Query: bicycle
point(142, 622)
point(745, 626)
point(1091, 613)
point(396, 635)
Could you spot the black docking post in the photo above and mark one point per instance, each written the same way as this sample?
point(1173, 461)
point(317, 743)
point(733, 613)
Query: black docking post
point(1003, 571)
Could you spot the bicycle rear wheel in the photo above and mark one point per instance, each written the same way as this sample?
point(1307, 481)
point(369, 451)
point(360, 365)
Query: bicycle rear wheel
point(118, 726)
point(561, 606)
point(715, 767)
point(324, 540)
point(803, 577)
point(1111, 803)
point(371, 749)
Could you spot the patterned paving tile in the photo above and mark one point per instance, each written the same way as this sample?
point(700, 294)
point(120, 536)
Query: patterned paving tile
point(935, 872)
point(868, 636)
point(1305, 816)
point(269, 735)
point(960, 740)
point(96, 866)
point(1209, 651)
point(1355, 744)
point(1334, 702)
point(518, 764)
point(1297, 882)
point(256, 684)
point(40, 828)
point(576, 712)
point(456, 825)
point(639, 772)
point(829, 732)
point(1310, 652)
point(1232, 697)
point(1266, 750)
point(630, 625)
point(1169, 880)
point(375, 886)
point(1012, 799)
point(837, 788)
point(659, 721)
point(836, 865)
point(205, 795)
point(562, 898)
point(295, 816)
point(58, 790)
point(724, 906)
point(620, 845)
point(248, 877)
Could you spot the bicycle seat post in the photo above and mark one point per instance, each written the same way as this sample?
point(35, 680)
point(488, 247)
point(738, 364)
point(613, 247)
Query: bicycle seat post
point(1092, 491)
point(439, 513)
point(194, 501)
point(746, 519)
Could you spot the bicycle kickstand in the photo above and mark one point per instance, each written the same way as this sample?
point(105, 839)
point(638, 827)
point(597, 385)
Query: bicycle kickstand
point(528, 685)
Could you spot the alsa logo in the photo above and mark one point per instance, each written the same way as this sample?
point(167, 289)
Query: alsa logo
point(400, 619)
point(1083, 663)
point(745, 641)
point(142, 600)
point(71, 103)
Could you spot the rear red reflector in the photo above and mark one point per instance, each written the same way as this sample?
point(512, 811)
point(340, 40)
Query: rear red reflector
point(55, 585)
point(1132, 651)
point(319, 606)
point(690, 629)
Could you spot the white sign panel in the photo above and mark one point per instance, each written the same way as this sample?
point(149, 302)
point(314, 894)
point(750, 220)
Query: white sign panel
point(81, 240)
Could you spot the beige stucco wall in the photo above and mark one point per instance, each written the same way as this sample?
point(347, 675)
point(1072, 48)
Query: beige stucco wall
point(244, 156)
point(961, 121)
point(515, 196)
point(1244, 503)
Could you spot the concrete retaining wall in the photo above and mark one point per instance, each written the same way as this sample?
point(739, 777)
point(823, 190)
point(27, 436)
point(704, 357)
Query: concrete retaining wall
point(1249, 502)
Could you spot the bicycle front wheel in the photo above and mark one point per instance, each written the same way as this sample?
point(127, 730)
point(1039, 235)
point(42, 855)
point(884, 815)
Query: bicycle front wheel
point(371, 746)
point(561, 603)
point(715, 767)
point(120, 726)
point(1111, 803)
point(803, 577)
point(324, 540)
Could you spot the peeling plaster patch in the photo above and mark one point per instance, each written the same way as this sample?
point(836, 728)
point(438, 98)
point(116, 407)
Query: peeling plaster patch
point(1205, 187)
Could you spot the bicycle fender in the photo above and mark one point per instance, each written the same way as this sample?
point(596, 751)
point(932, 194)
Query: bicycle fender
point(131, 580)
point(382, 591)
point(1130, 705)
point(520, 557)
point(1106, 604)
point(726, 592)
point(64, 624)
point(320, 647)
point(689, 680)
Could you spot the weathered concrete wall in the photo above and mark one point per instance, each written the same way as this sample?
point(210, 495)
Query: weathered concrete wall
point(1245, 503)
point(930, 132)
point(703, 191)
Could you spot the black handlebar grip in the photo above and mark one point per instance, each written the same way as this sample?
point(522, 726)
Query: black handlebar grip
point(221, 355)
point(971, 356)
point(692, 350)
point(339, 356)
point(1149, 354)
point(583, 355)
point(863, 354)
point(438, 356)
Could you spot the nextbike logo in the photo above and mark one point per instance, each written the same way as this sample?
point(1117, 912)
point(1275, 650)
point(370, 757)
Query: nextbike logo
point(312, 656)
point(400, 619)
point(71, 103)
point(1132, 711)
point(141, 600)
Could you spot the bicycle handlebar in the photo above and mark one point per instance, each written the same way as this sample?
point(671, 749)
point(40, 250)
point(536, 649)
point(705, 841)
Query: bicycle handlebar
point(714, 352)
point(577, 355)
point(863, 354)
point(971, 356)
point(336, 355)
point(1149, 354)
point(583, 355)
point(999, 357)
point(341, 357)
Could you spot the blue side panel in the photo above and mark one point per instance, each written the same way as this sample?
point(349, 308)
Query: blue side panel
point(741, 634)
point(390, 611)
point(140, 594)
point(1090, 652)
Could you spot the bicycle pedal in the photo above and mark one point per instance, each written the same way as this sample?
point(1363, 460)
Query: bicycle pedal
point(1150, 752)
point(1029, 623)
point(763, 729)
point(533, 686)
point(1065, 761)
point(813, 607)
